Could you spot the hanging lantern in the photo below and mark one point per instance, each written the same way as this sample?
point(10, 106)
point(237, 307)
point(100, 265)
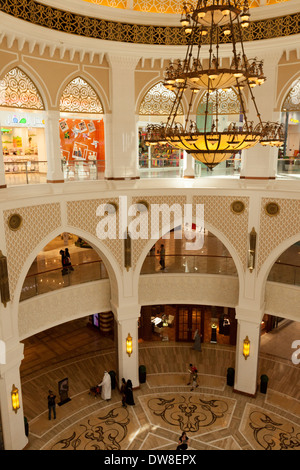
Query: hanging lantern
point(129, 345)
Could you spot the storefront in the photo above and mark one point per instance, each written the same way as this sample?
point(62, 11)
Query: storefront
point(23, 142)
point(82, 146)
point(289, 154)
point(158, 156)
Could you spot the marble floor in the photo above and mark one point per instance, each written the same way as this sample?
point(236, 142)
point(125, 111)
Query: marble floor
point(213, 415)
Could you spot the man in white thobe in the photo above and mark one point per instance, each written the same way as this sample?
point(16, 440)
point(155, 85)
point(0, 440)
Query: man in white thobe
point(106, 387)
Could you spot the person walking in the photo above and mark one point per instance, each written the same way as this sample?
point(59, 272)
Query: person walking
point(68, 263)
point(63, 264)
point(162, 254)
point(197, 341)
point(123, 392)
point(106, 387)
point(194, 379)
point(192, 370)
point(51, 405)
point(183, 442)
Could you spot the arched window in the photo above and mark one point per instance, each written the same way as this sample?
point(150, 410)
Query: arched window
point(80, 97)
point(156, 106)
point(158, 101)
point(292, 101)
point(226, 102)
point(18, 91)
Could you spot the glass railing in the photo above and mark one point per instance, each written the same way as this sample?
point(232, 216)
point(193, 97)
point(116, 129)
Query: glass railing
point(289, 167)
point(161, 168)
point(51, 280)
point(285, 273)
point(81, 171)
point(47, 281)
point(203, 264)
point(25, 172)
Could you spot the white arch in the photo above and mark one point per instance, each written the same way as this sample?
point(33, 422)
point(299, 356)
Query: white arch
point(34, 77)
point(210, 228)
point(289, 84)
point(90, 81)
point(111, 265)
point(271, 259)
point(146, 88)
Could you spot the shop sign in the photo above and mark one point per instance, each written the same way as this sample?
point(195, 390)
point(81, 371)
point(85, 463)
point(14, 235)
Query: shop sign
point(22, 119)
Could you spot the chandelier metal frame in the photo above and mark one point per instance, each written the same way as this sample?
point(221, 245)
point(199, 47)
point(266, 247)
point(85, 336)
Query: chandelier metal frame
point(204, 24)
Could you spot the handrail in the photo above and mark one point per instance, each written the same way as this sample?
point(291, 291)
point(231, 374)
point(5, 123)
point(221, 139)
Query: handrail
point(291, 279)
point(60, 268)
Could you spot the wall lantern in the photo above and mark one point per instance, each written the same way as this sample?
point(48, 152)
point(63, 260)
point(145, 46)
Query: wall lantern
point(129, 345)
point(127, 251)
point(252, 250)
point(246, 347)
point(15, 398)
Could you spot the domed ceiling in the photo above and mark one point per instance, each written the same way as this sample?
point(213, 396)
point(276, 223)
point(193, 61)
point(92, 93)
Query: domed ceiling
point(165, 6)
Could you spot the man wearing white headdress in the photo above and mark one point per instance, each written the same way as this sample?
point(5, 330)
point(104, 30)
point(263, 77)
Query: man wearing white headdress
point(106, 387)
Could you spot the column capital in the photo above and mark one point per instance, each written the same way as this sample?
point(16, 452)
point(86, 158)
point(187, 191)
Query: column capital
point(121, 61)
point(126, 312)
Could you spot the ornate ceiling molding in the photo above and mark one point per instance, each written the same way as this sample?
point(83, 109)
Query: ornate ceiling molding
point(59, 20)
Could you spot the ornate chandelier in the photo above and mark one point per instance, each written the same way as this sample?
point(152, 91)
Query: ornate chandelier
point(205, 23)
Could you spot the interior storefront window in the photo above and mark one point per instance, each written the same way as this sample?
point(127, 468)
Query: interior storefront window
point(158, 156)
point(82, 147)
point(23, 143)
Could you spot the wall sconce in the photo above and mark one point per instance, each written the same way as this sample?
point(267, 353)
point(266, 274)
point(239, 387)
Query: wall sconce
point(129, 345)
point(252, 250)
point(4, 284)
point(127, 251)
point(15, 398)
point(246, 347)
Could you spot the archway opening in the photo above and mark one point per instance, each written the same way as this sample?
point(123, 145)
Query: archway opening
point(160, 160)
point(22, 117)
point(172, 322)
point(81, 128)
point(49, 272)
point(286, 268)
point(289, 153)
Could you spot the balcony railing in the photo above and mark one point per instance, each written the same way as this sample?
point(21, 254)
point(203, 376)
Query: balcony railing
point(25, 172)
point(50, 280)
point(203, 264)
point(81, 170)
point(285, 273)
point(47, 281)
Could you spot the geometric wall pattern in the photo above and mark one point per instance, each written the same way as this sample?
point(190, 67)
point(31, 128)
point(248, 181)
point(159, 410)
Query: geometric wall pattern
point(218, 213)
point(277, 228)
point(38, 222)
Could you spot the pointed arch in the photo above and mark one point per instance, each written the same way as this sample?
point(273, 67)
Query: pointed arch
point(292, 99)
point(80, 97)
point(158, 101)
point(228, 102)
point(17, 90)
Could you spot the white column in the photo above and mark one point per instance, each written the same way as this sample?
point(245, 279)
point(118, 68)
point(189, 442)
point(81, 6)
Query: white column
point(261, 162)
point(55, 172)
point(127, 321)
point(12, 422)
point(122, 135)
point(2, 166)
point(189, 171)
point(246, 369)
